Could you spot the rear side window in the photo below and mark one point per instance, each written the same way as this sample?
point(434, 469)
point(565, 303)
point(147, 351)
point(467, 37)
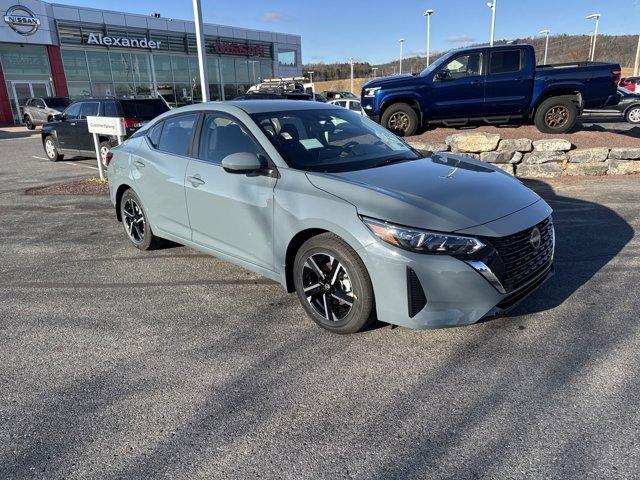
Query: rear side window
point(505, 62)
point(89, 109)
point(355, 106)
point(110, 109)
point(145, 109)
point(176, 134)
point(154, 134)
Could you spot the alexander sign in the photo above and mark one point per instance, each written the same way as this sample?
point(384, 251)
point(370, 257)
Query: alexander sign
point(21, 20)
point(107, 41)
point(235, 48)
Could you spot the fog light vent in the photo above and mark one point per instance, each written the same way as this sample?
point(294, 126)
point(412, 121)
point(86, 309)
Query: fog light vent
point(415, 293)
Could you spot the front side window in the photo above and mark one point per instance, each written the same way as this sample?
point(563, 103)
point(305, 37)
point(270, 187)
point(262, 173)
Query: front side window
point(176, 134)
point(38, 103)
point(505, 62)
point(331, 140)
point(89, 109)
point(154, 134)
point(73, 111)
point(222, 136)
point(468, 65)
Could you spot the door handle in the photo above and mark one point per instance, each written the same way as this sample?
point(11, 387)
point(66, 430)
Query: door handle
point(138, 163)
point(196, 181)
point(72, 124)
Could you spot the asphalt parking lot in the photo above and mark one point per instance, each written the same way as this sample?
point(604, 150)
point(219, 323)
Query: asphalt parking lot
point(116, 363)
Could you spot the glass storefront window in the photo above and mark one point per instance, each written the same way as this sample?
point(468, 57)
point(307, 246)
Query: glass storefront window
point(79, 89)
point(266, 69)
point(25, 62)
point(230, 91)
point(214, 91)
point(121, 67)
point(184, 94)
point(99, 66)
point(180, 66)
point(141, 67)
point(100, 89)
point(254, 71)
point(242, 70)
point(162, 66)
point(75, 65)
point(212, 68)
point(125, 89)
point(228, 68)
point(287, 57)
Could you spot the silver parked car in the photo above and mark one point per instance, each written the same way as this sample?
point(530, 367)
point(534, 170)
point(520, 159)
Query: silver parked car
point(41, 110)
point(337, 209)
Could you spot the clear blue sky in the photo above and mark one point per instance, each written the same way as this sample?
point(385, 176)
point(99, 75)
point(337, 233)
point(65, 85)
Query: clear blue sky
point(334, 30)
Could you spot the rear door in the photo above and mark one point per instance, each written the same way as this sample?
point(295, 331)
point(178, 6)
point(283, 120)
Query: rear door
point(159, 167)
point(458, 88)
point(509, 82)
point(230, 212)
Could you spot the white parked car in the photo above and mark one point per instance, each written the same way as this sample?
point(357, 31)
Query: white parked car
point(349, 103)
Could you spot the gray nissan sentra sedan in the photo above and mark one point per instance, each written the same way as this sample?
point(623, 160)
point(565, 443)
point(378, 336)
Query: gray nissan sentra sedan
point(337, 209)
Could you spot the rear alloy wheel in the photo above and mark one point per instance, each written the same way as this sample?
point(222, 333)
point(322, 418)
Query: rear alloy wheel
point(105, 147)
point(633, 115)
point(135, 221)
point(28, 123)
point(51, 149)
point(333, 285)
point(556, 115)
point(400, 119)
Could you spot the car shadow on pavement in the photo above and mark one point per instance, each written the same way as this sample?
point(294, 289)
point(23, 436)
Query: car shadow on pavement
point(632, 132)
point(588, 236)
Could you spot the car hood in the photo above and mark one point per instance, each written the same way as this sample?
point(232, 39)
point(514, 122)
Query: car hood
point(388, 82)
point(443, 192)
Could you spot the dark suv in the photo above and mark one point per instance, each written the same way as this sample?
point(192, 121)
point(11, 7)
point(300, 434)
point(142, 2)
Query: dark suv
point(68, 132)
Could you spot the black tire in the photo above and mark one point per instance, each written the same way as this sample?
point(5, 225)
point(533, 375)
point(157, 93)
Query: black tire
point(51, 149)
point(28, 123)
point(400, 119)
point(556, 115)
point(138, 232)
point(633, 114)
point(104, 145)
point(347, 279)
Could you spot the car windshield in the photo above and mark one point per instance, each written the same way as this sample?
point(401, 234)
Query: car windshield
point(58, 102)
point(331, 140)
point(145, 109)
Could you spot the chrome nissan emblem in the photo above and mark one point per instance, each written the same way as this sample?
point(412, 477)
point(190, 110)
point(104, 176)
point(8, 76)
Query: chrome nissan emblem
point(535, 239)
point(22, 20)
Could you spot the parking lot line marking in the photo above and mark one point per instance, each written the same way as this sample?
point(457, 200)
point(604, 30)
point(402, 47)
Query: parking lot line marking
point(39, 158)
point(81, 165)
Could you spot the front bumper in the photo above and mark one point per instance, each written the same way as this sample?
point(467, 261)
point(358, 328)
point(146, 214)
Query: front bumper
point(456, 292)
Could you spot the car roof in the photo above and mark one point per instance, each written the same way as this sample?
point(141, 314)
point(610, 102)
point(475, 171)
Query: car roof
point(264, 106)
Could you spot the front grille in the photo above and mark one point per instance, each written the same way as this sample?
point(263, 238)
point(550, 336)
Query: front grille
point(522, 261)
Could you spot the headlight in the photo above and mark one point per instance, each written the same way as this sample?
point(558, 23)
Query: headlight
point(423, 241)
point(371, 92)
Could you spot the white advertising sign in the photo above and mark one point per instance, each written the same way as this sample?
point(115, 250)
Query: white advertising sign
point(106, 126)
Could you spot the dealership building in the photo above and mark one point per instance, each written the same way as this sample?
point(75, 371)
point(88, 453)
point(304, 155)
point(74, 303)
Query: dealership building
point(49, 49)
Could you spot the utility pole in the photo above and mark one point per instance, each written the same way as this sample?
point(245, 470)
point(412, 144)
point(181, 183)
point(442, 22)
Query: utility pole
point(202, 54)
point(637, 63)
point(428, 13)
point(596, 17)
point(375, 70)
point(400, 66)
point(351, 63)
point(546, 44)
point(492, 6)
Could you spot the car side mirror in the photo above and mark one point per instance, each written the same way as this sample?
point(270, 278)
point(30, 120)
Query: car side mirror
point(243, 162)
point(442, 75)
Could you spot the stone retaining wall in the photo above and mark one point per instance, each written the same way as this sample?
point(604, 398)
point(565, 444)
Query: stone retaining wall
point(540, 158)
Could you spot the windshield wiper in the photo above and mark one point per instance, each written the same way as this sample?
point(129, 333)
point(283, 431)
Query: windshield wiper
point(389, 161)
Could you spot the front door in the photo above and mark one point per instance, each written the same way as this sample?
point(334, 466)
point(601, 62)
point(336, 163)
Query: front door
point(24, 90)
point(229, 212)
point(458, 88)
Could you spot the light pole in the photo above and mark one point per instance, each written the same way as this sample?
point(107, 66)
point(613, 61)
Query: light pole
point(400, 66)
point(375, 71)
point(351, 64)
point(202, 55)
point(546, 43)
point(428, 13)
point(310, 76)
point(596, 17)
point(492, 6)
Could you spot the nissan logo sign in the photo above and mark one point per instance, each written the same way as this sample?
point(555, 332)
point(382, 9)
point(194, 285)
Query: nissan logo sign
point(21, 20)
point(536, 238)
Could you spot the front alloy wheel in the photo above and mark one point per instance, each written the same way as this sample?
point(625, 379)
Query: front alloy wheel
point(333, 284)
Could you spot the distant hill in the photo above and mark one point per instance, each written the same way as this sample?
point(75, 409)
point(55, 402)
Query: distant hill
point(562, 48)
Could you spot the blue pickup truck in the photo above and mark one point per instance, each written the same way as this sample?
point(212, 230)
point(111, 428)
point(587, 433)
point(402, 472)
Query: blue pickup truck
point(496, 85)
